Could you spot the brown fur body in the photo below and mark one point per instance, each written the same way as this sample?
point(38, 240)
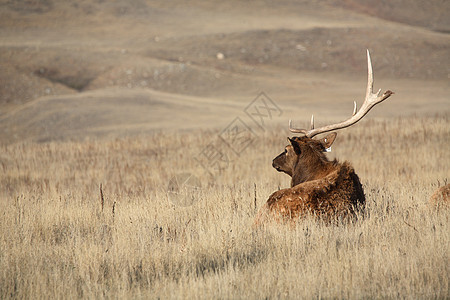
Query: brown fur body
point(327, 189)
point(337, 195)
point(441, 197)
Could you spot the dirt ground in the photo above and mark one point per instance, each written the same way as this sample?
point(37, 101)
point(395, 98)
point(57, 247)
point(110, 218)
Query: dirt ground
point(101, 69)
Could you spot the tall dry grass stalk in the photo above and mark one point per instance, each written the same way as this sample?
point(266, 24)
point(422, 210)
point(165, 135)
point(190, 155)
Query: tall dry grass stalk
point(57, 242)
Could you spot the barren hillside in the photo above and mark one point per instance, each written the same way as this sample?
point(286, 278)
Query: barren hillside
point(102, 69)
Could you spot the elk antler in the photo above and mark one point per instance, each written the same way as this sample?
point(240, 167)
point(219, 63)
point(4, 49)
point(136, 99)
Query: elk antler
point(370, 101)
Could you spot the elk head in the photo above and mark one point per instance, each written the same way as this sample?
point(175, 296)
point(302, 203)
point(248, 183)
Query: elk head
point(304, 159)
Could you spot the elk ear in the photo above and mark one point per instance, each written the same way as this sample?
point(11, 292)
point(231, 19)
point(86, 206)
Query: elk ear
point(328, 140)
point(295, 145)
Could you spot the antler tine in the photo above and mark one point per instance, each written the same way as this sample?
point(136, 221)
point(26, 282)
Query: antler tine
point(369, 75)
point(370, 101)
point(297, 130)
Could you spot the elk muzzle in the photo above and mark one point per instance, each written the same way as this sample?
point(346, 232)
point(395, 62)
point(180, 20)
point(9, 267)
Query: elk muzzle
point(281, 164)
point(276, 166)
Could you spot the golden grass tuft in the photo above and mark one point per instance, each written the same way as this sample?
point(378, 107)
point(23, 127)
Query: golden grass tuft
point(56, 241)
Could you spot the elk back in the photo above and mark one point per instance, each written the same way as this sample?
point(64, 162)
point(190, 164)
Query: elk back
point(338, 195)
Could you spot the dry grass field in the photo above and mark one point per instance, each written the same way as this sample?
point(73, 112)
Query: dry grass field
point(57, 241)
point(106, 105)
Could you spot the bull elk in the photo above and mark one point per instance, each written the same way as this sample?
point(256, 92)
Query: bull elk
point(325, 188)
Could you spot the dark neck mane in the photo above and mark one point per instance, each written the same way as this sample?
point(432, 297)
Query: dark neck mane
point(311, 166)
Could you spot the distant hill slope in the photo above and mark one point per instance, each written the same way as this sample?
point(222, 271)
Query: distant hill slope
point(110, 113)
point(433, 14)
point(68, 67)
